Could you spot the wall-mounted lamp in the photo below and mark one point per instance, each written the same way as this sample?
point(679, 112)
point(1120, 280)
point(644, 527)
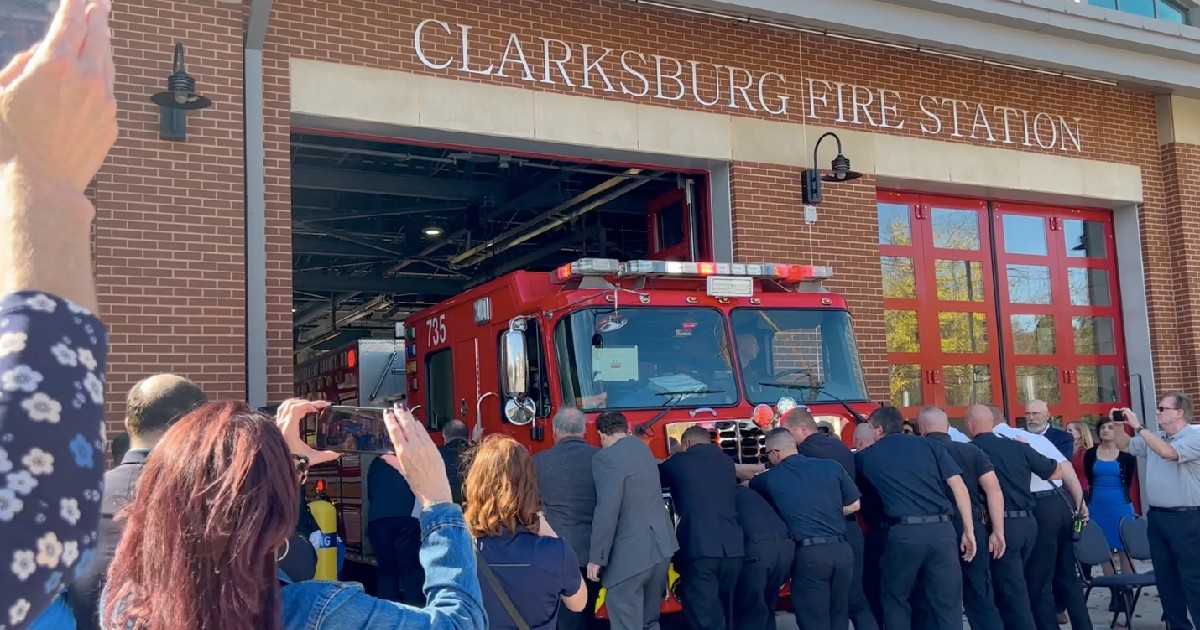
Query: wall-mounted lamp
point(810, 179)
point(179, 98)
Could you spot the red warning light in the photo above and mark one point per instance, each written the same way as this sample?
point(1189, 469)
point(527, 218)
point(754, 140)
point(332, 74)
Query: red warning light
point(763, 416)
point(351, 358)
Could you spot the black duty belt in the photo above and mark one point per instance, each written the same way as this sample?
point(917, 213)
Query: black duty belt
point(1186, 508)
point(809, 542)
point(1017, 514)
point(920, 520)
point(1041, 494)
point(768, 537)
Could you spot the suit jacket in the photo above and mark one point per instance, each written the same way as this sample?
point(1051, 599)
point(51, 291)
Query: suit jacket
point(83, 595)
point(452, 457)
point(631, 530)
point(564, 474)
point(703, 484)
point(1062, 441)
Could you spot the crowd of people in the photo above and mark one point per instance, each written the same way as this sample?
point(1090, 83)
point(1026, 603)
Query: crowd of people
point(194, 528)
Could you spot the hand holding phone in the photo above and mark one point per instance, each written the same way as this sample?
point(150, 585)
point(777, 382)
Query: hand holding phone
point(418, 458)
point(288, 419)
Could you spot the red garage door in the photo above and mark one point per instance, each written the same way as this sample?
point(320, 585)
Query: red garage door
point(998, 304)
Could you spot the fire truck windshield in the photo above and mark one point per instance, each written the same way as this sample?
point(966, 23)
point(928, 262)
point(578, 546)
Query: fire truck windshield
point(814, 349)
point(656, 356)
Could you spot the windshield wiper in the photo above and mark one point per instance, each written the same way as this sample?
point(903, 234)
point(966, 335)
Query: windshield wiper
point(820, 389)
point(676, 398)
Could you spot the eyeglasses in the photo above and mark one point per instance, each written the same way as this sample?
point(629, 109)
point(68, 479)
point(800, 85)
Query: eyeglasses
point(773, 451)
point(1162, 409)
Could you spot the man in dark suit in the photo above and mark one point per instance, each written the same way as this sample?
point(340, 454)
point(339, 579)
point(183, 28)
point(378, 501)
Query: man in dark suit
point(632, 536)
point(1037, 421)
point(151, 407)
point(455, 435)
point(703, 484)
point(564, 474)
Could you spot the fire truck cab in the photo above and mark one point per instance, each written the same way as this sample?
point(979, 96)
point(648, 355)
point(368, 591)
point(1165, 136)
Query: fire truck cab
point(669, 344)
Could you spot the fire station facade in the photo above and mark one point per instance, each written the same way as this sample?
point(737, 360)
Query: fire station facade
point(1013, 226)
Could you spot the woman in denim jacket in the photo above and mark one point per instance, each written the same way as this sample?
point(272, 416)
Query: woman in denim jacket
point(213, 511)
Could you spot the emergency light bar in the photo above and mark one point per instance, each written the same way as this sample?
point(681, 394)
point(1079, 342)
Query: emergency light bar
point(644, 268)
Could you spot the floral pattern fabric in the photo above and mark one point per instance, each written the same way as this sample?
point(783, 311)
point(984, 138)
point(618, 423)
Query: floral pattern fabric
point(52, 360)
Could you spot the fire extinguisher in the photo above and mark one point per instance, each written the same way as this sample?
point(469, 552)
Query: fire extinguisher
point(325, 539)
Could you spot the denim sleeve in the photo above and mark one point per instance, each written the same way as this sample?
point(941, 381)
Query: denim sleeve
point(52, 360)
point(451, 587)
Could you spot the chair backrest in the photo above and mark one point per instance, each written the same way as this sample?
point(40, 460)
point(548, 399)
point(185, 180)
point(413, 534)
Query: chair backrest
point(1136, 537)
point(1092, 548)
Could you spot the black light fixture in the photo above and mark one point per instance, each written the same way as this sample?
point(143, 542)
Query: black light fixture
point(810, 179)
point(179, 98)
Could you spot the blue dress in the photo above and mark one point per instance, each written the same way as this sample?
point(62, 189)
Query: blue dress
point(1108, 505)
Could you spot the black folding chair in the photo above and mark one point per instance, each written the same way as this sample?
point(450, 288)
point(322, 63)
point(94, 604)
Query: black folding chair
point(1092, 549)
point(1136, 539)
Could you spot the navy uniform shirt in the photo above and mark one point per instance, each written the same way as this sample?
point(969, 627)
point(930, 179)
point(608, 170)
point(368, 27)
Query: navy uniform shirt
point(759, 520)
point(1014, 462)
point(909, 473)
point(871, 507)
point(809, 494)
point(823, 446)
point(974, 464)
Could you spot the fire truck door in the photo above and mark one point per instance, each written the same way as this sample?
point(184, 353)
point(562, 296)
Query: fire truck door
point(673, 225)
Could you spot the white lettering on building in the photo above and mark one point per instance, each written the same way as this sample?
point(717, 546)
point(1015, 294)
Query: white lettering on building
point(439, 45)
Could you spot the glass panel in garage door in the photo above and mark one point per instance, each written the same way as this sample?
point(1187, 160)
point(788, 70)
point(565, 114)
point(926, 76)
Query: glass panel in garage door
point(1060, 315)
point(939, 305)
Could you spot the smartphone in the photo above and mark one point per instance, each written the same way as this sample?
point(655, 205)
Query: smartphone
point(355, 429)
point(1118, 415)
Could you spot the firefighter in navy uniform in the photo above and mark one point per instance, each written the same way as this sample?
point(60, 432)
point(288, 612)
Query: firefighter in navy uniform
point(812, 442)
point(908, 472)
point(987, 505)
point(1014, 464)
point(769, 552)
point(813, 496)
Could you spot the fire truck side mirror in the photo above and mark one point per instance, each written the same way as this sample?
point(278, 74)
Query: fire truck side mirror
point(514, 362)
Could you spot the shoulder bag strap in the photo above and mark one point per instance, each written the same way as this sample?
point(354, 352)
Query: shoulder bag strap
point(494, 583)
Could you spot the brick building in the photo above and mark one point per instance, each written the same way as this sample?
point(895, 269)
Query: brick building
point(1021, 228)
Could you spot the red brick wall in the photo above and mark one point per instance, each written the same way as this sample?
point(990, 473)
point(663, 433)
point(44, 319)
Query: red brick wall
point(1118, 124)
point(170, 215)
point(1173, 253)
point(193, 191)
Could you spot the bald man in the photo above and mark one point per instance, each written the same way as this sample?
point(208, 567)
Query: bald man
point(987, 506)
point(151, 407)
point(864, 436)
point(1015, 463)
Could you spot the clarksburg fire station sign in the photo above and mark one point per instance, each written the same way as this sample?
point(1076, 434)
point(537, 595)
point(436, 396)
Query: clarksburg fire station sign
point(657, 77)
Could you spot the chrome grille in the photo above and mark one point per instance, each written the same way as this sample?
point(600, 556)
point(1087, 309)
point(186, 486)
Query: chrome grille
point(741, 438)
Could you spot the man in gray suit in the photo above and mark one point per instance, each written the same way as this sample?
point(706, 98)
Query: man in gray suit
point(632, 536)
point(564, 475)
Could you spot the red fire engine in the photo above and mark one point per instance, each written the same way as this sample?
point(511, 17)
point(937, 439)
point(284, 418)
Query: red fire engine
point(669, 344)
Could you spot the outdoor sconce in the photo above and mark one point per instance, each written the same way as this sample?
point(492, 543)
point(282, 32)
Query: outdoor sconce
point(810, 179)
point(179, 98)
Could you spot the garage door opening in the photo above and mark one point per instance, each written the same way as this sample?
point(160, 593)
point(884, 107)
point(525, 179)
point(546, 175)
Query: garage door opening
point(382, 229)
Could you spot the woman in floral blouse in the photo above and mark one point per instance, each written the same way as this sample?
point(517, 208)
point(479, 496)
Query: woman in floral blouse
point(57, 123)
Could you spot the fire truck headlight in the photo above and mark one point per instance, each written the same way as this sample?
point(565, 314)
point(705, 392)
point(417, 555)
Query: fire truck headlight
point(785, 405)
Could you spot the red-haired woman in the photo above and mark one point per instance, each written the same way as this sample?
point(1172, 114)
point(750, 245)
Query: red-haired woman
point(214, 507)
point(528, 564)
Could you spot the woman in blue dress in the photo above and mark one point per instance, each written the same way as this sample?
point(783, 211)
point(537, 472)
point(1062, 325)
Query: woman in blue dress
point(1110, 475)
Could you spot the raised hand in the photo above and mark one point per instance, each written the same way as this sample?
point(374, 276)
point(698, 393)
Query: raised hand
point(417, 458)
point(288, 419)
point(58, 116)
